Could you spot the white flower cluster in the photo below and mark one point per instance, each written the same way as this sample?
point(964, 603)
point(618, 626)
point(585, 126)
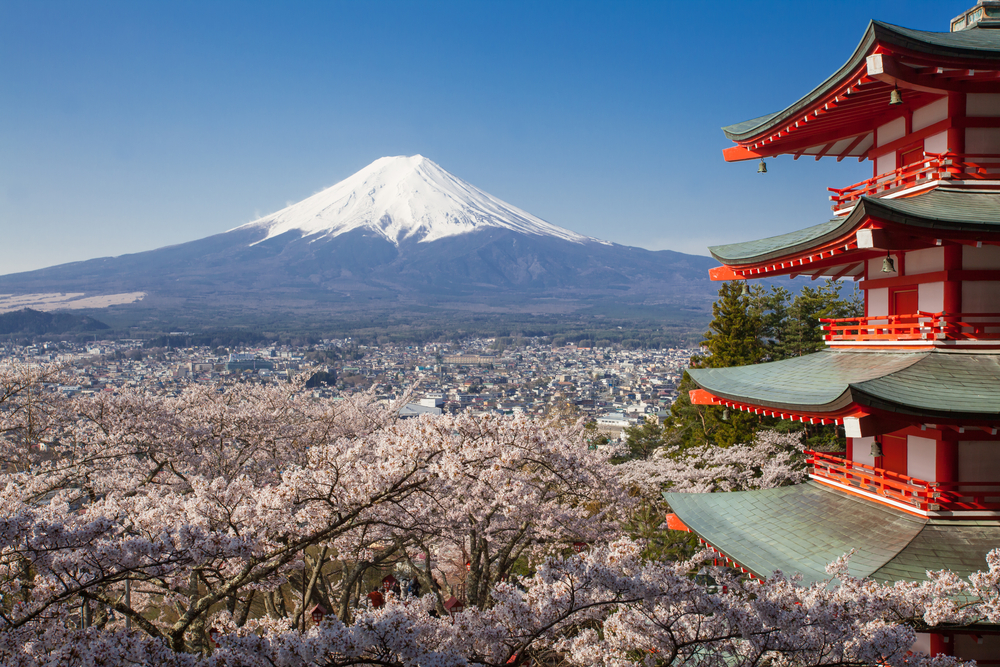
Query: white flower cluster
point(773, 459)
point(211, 522)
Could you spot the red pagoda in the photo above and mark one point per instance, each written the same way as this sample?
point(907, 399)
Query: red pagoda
point(915, 383)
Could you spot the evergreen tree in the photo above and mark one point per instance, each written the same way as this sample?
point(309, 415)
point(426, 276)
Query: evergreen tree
point(736, 337)
point(761, 325)
point(798, 329)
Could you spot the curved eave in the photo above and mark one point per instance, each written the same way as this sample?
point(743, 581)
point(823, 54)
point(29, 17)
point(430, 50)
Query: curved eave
point(750, 129)
point(802, 528)
point(956, 48)
point(961, 214)
point(787, 246)
point(951, 386)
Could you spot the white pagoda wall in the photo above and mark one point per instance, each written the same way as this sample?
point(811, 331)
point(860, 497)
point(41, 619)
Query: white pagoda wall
point(921, 455)
point(982, 104)
point(930, 297)
point(884, 134)
point(978, 140)
point(981, 296)
point(921, 458)
point(929, 114)
point(987, 257)
point(982, 139)
point(861, 450)
point(877, 302)
point(978, 461)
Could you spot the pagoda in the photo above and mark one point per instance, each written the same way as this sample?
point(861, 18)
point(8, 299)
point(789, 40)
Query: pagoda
point(915, 383)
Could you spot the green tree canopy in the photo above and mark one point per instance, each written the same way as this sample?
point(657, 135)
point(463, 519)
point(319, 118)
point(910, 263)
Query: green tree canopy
point(763, 324)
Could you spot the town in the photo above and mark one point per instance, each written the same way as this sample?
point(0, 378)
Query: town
point(613, 388)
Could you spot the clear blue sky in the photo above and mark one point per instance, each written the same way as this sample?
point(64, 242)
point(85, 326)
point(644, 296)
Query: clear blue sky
point(126, 126)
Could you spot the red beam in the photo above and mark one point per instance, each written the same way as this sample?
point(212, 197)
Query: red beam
point(851, 146)
point(933, 277)
point(723, 272)
point(702, 397)
point(741, 153)
point(902, 142)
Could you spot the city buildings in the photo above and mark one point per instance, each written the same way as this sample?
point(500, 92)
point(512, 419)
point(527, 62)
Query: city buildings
point(915, 383)
point(623, 386)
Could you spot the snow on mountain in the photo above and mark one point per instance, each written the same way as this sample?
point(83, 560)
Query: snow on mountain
point(405, 198)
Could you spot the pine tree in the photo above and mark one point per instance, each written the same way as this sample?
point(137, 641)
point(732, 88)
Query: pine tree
point(735, 338)
point(761, 325)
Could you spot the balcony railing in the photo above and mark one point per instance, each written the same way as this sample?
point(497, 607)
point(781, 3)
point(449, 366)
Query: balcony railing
point(933, 167)
point(917, 326)
point(917, 493)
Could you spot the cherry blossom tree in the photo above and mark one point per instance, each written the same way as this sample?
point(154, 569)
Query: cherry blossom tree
point(772, 459)
point(29, 412)
point(196, 530)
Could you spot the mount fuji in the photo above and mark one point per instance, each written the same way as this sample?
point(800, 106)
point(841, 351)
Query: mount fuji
point(404, 199)
point(401, 233)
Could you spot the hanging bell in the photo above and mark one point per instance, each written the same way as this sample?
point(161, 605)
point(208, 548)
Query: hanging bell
point(895, 97)
point(725, 415)
point(746, 290)
point(876, 449)
point(888, 266)
point(762, 168)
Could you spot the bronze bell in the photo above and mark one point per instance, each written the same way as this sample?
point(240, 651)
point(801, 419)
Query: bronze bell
point(762, 168)
point(888, 266)
point(895, 97)
point(876, 449)
point(746, 290)
point(725, 415)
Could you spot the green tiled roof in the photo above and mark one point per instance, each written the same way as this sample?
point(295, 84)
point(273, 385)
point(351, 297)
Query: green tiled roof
point(944, 208)
point(959, 546)
point(761, 249)
point(941, 382)
point(968, 44)
point(931, 384)
point(800, 529)
point(941, 208)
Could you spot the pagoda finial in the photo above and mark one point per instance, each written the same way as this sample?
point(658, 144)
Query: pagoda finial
point(986, 14)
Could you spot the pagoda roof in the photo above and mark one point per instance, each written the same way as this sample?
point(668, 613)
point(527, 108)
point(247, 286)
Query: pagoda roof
point(934, 384)
point(837, 117)
point(801, 529)
point(943, 209)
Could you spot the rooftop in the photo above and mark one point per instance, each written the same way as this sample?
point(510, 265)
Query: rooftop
point(935, 384)
point(825, 120)
point(833, 246)
point(802, 528)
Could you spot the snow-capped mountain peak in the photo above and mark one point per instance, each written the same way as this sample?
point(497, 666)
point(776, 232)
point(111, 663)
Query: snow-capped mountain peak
point(405, 198)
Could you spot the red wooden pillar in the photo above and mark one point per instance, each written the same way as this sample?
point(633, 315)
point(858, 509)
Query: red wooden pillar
point(946, 461)
point(939, 646)
point(956, 112)
point(952, 305)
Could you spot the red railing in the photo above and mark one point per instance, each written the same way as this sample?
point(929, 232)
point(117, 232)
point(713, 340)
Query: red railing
point(920, 494)
point(917, 326)
point(933, 166)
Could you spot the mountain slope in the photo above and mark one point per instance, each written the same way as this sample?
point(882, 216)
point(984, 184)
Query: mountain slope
point(402, 231)
point(34, 322)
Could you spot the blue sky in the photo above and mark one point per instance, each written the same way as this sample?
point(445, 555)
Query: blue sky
point(127, 126)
